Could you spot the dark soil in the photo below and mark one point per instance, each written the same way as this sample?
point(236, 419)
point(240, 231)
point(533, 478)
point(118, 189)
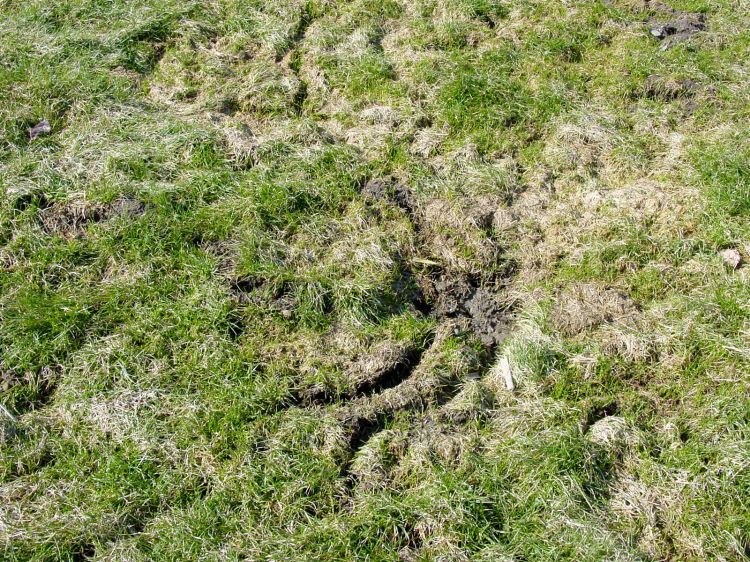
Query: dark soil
point(448, 294)
point(458, 297)
point(678, 29)
point(388, 189)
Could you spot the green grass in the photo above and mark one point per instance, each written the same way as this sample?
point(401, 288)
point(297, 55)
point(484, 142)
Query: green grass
point(194, 281)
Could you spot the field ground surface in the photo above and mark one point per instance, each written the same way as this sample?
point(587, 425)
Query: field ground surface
point(381, 280)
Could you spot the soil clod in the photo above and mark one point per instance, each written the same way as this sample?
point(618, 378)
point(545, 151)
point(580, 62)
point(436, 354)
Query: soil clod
point(387, 189)
point(678, 29)
point(40, 129)
point(459, 297)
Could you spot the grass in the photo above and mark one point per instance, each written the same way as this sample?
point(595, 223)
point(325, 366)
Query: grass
point(240, 280)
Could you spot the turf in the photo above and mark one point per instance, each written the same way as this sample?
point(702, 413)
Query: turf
point(260, 277)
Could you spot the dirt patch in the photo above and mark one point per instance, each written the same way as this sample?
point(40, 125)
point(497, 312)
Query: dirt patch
point(41, 129)
point(678, 29)
point(125, 207)
point(585, 306)
point(446, 230)
point(394, 377)
point(488, 315)
point(244, 288)
point(70, 219)
point(389, 190)
point(667, 89)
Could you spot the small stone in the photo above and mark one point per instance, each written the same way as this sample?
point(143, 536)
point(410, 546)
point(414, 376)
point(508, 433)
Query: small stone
point(731, 257)
point(658, 32)
point(40, 129)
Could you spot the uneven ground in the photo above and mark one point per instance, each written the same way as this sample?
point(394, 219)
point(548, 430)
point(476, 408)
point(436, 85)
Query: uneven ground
point(262, 272)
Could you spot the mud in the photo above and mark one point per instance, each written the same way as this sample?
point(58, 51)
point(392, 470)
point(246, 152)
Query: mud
point(488, 317)
point(394, 378)
point(425, 381)
point(447, 293)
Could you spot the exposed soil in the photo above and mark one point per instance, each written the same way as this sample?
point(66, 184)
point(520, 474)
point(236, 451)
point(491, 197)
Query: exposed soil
point(450, 293)
point(70, 219)
point(677, 29)
point(458, 297)
point(41, 129)
point(667, 89)
point(388, 189)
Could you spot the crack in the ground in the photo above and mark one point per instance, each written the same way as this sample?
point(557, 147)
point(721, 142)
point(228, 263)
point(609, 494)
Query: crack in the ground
point(293, 57)
point(391, 376)
point(412, 383)
point(305, 20)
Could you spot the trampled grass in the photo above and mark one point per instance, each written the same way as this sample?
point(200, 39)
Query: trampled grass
point(259, 277)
